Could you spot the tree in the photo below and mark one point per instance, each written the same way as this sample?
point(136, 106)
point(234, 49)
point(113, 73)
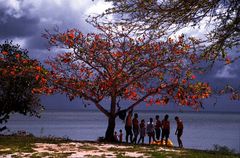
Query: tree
point(20, 79)
point(115, 65)
point(161, 16)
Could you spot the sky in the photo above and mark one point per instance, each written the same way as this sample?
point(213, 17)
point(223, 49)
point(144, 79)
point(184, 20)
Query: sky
point(24, 21)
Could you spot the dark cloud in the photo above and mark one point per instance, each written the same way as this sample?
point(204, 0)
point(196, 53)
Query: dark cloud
point(18, 27)
point(26, 20)
point(220, 75)
point(36, 42)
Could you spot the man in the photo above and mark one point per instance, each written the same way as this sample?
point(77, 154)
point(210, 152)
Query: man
point(135, 127)
point(150, 130)
point(179, 131)
point(128, 126)
point(158, 126)
point(165, 129)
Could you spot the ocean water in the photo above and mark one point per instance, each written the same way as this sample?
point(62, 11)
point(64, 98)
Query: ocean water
point(201, 130)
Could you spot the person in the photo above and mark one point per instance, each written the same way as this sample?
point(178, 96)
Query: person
point(142, 131)
point(158, 126)
point(179, 131)
point(135, 127)
point(115, 137)
point(165, 129)
point(120, 136)
point(150, 130)
point(128, 126)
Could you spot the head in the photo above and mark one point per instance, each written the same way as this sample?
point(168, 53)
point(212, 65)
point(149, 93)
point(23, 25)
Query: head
point(151, 119)
point(166, 117)
point(157, 117)
point(176, 118)
point(142, 121)
point(135, 115)
point(120, 131)
point(115, 132)
point(130, 112)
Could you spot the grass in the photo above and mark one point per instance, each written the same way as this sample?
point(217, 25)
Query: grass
point(23, 146)
point(88, 147)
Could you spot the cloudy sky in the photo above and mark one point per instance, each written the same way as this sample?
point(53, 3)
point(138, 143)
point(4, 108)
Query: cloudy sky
point(23, 21)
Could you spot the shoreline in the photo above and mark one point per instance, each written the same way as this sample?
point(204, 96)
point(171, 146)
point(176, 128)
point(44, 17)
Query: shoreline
point(30, 146)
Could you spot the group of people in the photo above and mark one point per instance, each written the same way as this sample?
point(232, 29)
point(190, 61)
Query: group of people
point(153, 129)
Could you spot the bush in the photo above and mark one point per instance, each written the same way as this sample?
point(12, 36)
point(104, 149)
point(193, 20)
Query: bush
point(223, 149)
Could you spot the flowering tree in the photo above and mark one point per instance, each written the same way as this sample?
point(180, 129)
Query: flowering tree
point(20, 79)
point(116, 65)
point(220, 20)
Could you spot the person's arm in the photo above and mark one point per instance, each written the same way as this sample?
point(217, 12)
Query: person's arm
point(176, 130)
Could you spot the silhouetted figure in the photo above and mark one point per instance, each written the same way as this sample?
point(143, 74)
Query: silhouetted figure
point(128, 126)
point(165, 129)
point(120, 136)
point(179, 131)
point(135, 127)
point(115, 137)
point(158, 126)
point(150, 130)
point(142, 131)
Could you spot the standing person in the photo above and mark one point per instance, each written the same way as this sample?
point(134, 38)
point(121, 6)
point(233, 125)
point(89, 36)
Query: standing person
point(165, 129)
point(150, 130)
point(135, 127)
point(142, 131)
point(179, 131)
point(120, 136)
point(115, 137)
point(158, 126)
point(128, 126)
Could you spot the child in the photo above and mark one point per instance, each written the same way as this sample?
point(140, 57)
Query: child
point(115, 137)
point(142, 131)
point(120, 136)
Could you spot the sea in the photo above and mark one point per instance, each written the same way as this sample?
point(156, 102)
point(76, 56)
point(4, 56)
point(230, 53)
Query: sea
point(202, 130)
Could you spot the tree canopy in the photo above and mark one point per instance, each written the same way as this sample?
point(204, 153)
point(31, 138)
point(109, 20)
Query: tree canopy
point(116, 65)
point(164, 16)
point(20, 79)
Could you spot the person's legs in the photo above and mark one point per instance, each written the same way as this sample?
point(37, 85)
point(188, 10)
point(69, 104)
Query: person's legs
point(163, 135)
point(157, 134)
point(139, 139)
point(135, 132)
point(179, 139)
point(167, 136)
point(131, 134)
point(153, 135)
point(149, 138)
point(127, 133)
point(134, 135)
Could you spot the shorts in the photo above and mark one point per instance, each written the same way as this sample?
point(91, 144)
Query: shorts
point(179, 132)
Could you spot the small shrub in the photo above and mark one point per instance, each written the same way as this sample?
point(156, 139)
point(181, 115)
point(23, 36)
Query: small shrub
point(223, 149)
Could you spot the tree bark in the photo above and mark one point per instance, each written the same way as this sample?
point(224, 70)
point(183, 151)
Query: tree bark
point(109, 135)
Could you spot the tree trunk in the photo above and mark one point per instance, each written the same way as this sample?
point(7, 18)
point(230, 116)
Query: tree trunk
point(109, 135)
